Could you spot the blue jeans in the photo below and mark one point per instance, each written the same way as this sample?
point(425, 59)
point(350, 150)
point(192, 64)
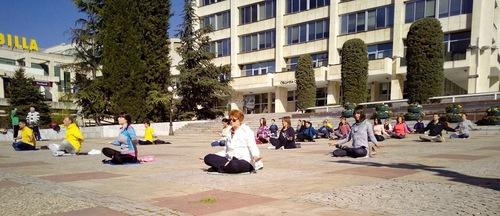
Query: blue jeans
point(21, 146)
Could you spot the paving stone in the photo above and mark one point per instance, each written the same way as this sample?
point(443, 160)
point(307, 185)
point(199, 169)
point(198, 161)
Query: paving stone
point(7, 184)
point(100, 211)
point(210, 201)
point(22, 164)
point(457, 156)
point(80, 176)
point(377, 172)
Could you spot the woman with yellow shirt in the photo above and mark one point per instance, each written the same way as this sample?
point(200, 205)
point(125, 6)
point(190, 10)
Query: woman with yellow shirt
point(72, 140)
point(149, 135)
point(28, 141)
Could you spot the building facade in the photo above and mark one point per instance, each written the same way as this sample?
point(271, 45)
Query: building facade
point(262, 39)
point(44, 66)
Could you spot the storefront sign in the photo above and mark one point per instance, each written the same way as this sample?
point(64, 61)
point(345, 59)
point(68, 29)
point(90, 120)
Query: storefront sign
point(14, 41)
point(286, 82)
point(39, 83)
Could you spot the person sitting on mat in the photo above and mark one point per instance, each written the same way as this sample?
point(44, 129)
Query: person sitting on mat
point(127, 140)
point(28, 141)
point(240, 154)
point(72, 140)
point(149, 135)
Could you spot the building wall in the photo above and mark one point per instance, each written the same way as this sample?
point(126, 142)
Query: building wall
point(475, 72)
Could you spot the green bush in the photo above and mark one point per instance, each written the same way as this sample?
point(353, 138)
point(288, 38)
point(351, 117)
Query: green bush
point(453, 117)
point(454, 108)
point(424, 54)
point(354, 71)
point(306, 85)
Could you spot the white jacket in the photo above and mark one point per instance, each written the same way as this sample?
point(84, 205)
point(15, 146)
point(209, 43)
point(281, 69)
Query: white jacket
point(242, 146)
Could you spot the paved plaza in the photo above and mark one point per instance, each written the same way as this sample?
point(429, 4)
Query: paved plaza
point(406, 177)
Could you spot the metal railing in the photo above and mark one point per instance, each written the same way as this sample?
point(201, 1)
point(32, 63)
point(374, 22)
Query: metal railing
point(454, 97)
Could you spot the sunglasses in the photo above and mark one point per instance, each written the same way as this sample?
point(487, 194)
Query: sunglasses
point(234, 120)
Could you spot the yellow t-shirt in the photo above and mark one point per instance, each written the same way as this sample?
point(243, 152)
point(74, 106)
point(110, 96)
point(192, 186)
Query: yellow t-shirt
point(148, 134)
point(27, 136)
point(74, 136)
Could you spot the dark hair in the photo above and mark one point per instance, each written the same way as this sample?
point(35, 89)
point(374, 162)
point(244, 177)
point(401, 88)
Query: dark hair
point(263, 122)
point(402, 119)
point(361, 113)
point(272, 120)
point(377, 121)
point(71, 118)
point(147, 121)
point(226, 120)
point(127, 117)
point(23, 121)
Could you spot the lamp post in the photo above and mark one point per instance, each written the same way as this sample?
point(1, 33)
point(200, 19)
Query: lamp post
point(171, 89)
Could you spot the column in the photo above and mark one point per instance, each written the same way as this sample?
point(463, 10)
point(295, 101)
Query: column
point(54, 91)
point(237, 101)
point(333, 93)
point(269, 102)
point(2, 88)
point(397, 82)
point(51, 65)
point(375, 90)
point(280, 35)
point(235, 42)
point(480, 69)
point(281, 100)
point(333, 54)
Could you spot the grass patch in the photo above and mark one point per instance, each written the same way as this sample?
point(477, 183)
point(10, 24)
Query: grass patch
point(208, 200)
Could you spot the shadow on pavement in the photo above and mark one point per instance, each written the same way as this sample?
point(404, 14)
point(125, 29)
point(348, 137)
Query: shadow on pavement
point(491, 183)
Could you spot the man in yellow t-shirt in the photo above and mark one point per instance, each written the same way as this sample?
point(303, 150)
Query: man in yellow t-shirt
point(72, 140)
point(27, 141)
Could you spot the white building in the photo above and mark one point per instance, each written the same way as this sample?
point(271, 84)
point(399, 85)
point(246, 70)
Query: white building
point(261, 40)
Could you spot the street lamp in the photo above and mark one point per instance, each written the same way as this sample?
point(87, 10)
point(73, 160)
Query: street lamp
point(171, 89)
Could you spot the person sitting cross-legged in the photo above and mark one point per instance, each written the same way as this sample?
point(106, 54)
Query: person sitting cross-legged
point(343, 129)
point(435, 128)
point(400, 129)
point(361, 133)
point(325, 131)
point(379, 130)
point(127, 140)
point(463, 128)
point(240, 154)
point(286, 138)
point(149, 135)
point(72, 141)
point(28, 141)
point(263, 133)
point(308, 134)
point(224, 135)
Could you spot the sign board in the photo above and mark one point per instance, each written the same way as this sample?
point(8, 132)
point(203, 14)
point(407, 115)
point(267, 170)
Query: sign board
point(14, 41)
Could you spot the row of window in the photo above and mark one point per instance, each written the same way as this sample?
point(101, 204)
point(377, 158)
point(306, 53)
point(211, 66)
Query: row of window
point(258, 68)
point(209, 2)
point(294, 6)
point(257, 41)
point(427, 8)
point(318, 60)
point(220, 48)
point(217, 21)
point(380, 17)
point(309, 31)
point(257, 12)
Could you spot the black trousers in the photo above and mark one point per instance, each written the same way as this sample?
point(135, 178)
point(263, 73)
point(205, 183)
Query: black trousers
point(351, 152)
point(36, 131)
point(117, 157)
point(16, 131)
point(234, 166)
point(379, 138)
point(303, 137)
point(145, 142)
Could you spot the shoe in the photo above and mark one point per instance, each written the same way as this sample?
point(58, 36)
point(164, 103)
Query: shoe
point(298, 145)
point(271, 147)
point(424, 139)
point(438, 139)
point(211, 169)
point(58, 153)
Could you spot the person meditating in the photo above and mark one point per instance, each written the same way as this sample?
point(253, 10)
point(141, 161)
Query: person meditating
point(400, 129)
point(149, 135)
point(72, 141)
point(361, 132)
point(435, 128)
point(240, 154)
point(286, 138)
point(28, 141)
point(127, 140)
point(263, 133)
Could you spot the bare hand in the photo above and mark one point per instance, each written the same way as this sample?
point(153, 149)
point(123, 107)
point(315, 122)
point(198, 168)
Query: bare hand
point(256, 158)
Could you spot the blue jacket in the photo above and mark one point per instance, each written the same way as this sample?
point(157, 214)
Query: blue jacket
point(310, 132)
point(125, 140)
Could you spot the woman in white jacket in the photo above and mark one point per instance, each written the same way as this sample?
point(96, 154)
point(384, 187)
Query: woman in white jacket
point(240, 154)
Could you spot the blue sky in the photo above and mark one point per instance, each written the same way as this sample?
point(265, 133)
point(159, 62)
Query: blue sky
point(49, 21)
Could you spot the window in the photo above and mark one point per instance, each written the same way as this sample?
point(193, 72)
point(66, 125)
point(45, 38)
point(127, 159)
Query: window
point(7, 61)
point(260, 68)
point(427, 8)
point(221, 47)
point(208, 2)
point(380, 51)
point(372, 19)
point(57, 71)
point(455, 45)
point(321, 96)
point(318, 60)
point(293, 6)
point(257, 41)
point(216, 21)
point(309, 31)
point(257, 12)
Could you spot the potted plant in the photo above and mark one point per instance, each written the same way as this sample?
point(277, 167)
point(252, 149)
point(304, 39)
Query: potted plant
point(414, 112)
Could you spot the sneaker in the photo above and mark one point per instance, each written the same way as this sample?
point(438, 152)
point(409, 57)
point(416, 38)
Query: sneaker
point(58, 153)
point(271, 147)
point(438, 139)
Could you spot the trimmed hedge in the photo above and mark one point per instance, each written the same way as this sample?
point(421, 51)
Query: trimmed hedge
point(354, 72)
